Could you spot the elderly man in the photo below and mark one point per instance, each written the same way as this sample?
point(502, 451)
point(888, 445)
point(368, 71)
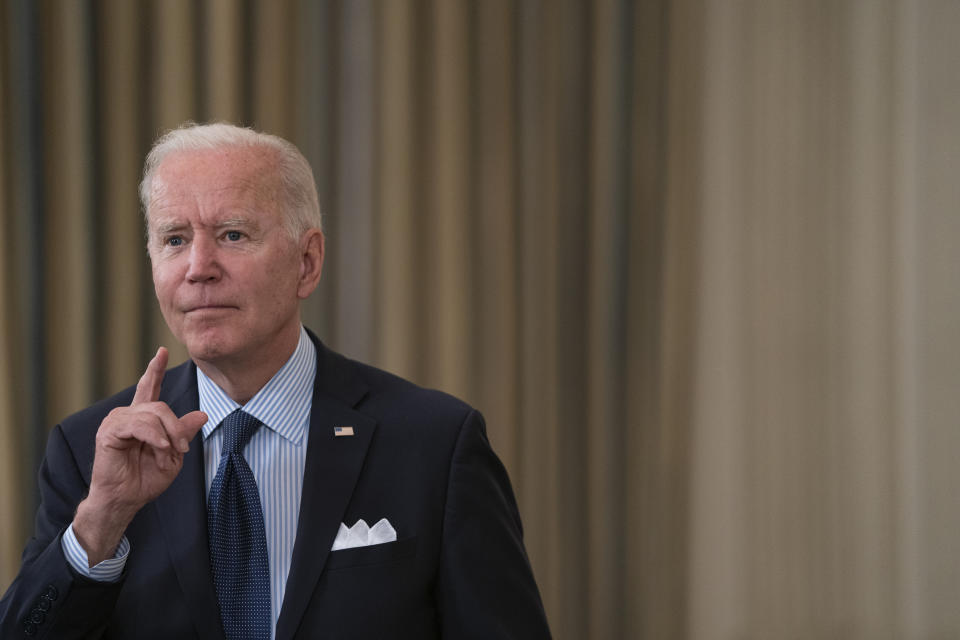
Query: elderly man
point(268, 487)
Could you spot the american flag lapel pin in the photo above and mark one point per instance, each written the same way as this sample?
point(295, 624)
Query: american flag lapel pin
point(342, 431)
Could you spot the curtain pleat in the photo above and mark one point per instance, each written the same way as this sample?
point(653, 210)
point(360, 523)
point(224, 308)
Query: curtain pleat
point(315, 71)
point(647, 567)
point(272, 67)
point(223, 61)
point(70, 301)
point(24, 269)
point(494, 226)
point(354, 218)
point(452, 306)
point(121, 138)
point(606, 331)
point(12, 495)
point(539, 474)
point(396, 156)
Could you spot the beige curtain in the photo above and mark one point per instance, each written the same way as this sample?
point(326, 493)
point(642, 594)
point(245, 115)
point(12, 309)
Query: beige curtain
point(822, 400)
point(693, 259)
point(12, 490)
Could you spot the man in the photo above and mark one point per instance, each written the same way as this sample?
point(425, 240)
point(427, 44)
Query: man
point(230, 496)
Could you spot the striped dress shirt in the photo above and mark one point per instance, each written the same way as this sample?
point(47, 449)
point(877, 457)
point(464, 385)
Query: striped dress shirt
point(276, 453)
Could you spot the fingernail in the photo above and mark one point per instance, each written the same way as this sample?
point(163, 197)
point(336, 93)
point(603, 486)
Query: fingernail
point(184, 445)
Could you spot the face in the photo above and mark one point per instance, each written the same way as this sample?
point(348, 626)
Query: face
point(227, 275)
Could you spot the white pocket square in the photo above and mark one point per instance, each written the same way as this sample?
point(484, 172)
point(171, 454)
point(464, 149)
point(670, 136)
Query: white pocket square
point(361, 535)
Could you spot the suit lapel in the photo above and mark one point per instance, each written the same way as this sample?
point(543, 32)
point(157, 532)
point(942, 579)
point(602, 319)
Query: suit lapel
point(330, 474)
point(183, 504)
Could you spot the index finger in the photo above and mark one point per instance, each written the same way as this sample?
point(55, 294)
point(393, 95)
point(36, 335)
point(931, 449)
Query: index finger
point(148, 388)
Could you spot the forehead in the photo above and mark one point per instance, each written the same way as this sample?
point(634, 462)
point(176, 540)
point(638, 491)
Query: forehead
point(211, 180)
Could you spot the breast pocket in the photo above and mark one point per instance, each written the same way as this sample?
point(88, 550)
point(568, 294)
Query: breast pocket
point(373, 554)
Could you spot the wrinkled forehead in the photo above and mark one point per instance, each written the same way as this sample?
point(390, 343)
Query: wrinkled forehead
point(235, 172)
point(211, 185)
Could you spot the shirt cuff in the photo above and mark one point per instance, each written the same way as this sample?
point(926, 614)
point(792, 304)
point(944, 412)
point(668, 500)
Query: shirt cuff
point(108, 570)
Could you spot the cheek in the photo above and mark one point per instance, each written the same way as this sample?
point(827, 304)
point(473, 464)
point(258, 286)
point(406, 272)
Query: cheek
point(279, 277)
point(163, 284)
point(274, 293)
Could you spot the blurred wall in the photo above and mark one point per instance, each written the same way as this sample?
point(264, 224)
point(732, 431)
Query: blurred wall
point(692, 258)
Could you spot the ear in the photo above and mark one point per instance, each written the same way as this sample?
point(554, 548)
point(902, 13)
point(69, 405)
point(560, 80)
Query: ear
point(311, 262)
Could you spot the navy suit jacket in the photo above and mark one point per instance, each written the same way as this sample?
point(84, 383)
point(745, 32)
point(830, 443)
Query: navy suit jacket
point(419, 458)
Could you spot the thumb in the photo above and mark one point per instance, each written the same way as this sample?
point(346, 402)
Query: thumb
point(190, 423)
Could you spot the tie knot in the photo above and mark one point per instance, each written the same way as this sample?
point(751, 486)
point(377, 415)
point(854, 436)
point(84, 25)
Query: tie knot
point(237, 429)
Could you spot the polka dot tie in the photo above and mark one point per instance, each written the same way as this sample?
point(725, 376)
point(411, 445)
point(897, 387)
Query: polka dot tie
point(238, 541)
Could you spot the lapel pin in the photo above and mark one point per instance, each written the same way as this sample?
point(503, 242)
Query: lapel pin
point(342, 431)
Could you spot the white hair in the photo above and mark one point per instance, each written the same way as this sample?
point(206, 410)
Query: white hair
point(301, 206)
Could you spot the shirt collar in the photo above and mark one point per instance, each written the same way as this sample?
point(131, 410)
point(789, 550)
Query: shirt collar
point(282, 405)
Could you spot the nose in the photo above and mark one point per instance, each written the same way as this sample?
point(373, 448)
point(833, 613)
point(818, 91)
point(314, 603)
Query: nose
point(203, 265)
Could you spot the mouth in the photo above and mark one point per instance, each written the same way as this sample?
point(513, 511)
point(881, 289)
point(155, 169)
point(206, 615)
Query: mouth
point(209, 308)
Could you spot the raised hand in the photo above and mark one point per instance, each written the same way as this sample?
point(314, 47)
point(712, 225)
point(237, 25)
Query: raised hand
point(139, 451)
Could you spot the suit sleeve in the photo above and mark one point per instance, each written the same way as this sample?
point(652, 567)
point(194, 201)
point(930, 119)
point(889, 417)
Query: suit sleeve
point(486, 587)
point(48, 599)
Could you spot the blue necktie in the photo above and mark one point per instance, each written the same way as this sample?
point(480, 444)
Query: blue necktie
point(238, 541)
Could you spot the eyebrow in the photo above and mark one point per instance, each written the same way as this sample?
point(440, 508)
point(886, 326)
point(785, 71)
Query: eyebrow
point(163, 228)
point(237, 222)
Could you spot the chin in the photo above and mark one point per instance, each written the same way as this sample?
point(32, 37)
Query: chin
point(209, 346)
point(205, 352)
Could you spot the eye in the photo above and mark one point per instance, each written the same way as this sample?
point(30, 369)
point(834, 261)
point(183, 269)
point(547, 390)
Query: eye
point(233, 236)
point(174, 241)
